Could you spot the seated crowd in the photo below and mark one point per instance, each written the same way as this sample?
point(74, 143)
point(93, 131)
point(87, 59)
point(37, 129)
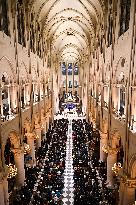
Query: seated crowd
point(89, 172)
point(44, 182)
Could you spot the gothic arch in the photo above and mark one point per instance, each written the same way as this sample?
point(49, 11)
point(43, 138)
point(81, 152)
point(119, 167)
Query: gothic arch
point(25, 75)
point(7, 66)
point(132, 166)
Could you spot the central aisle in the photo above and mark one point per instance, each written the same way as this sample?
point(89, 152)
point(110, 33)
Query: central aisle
point(68, 191)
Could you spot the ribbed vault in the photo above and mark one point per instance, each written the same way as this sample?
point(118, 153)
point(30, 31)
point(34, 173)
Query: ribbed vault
point(70, 26)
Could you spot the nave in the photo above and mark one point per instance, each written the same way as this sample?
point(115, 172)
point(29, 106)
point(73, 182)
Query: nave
point(44, 182)
point(68, 170)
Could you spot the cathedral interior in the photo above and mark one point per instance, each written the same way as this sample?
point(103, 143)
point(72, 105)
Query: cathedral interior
point(67, 102)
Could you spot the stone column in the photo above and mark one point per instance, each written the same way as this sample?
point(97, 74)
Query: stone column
point(103, 141)
point(127, 192)
point(27, 94)
point(19, 163)
point(38, 133)
point(66, 78)
point(106, 94)
point(133, 104)
point(1, 193)
point(44, 128)
point(13, 97)
point(30, 142)
point(118, 99)
point(111, 160)
point(9, 99)
point(4, 196)
point(44, 132)
point(1, 102)
point(73, 79)
point(24, 94)
point(115, 97)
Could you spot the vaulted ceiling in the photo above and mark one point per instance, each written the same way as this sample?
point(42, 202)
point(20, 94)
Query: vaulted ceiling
point(70, 25)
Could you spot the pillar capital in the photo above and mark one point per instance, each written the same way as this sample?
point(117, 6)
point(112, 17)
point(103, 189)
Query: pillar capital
point(129, 182)
point(18, 151)
point(30, 135)
point(103, 135)
point(110, 150)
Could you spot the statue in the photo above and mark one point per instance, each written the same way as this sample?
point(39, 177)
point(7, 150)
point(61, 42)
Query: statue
point(14, 139)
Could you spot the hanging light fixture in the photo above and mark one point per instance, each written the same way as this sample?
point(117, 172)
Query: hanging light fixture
point(26, 149)
point(12, 171)
point(116, 168)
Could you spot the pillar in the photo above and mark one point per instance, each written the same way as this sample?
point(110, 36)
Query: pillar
point(30, 142)
point(27, 94)
point(133, 105)
point(19, 163)
point(106, 94)
point(24, 94)
point(1, 102)
point(38, 132)
point(103, 141)
point(44, 129)
point(5, 187)
point(13, 97)
point(44, 132)
point(9, 99)
point(66, 78)
point(111, 160)
point(127, 192)
point(118, 99)
point(73, 79)
point(1, 193)
point(115, 97)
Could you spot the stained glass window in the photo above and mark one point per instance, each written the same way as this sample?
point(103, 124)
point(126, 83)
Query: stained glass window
point(124, 16)
point(4, 16)
point(63, 68)
point(76, 70)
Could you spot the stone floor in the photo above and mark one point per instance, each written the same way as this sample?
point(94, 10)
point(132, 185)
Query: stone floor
point(68, 191)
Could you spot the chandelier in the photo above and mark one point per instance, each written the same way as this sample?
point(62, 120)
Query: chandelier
point(12, 171)
point(116, 168)
point(27, 149)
